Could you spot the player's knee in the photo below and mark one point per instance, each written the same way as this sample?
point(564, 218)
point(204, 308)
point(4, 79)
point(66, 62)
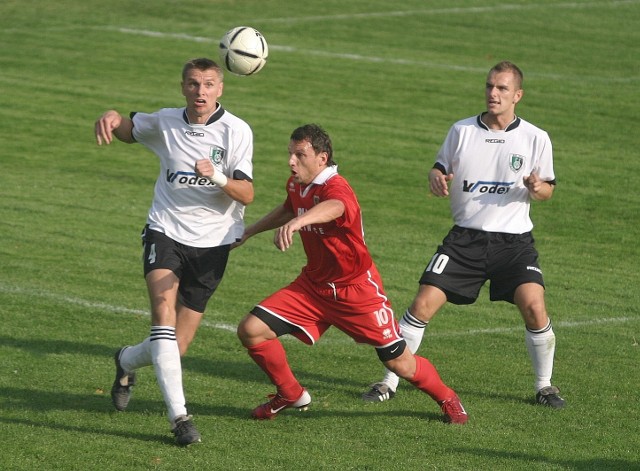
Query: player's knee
point(246, 330)
point(391, 352)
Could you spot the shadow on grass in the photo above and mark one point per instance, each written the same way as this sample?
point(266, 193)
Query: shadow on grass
point(147, 437)
point(593, 464)
point(242, 370)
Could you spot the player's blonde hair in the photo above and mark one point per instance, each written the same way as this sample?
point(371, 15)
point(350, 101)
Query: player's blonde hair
point(506, 66)
point(202, 64)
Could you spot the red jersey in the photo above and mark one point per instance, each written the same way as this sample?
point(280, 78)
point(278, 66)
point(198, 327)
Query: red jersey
point(336, 251)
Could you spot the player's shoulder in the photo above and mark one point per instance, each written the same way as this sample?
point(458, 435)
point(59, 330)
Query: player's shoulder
point(234, 121)
point(531, 128)
point(471, 121)
point(170, 112)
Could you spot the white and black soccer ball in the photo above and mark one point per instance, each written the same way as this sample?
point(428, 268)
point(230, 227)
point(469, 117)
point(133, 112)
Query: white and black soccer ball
point(243, 50)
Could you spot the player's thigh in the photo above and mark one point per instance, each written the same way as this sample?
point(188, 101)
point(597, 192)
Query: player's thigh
point(427, 302)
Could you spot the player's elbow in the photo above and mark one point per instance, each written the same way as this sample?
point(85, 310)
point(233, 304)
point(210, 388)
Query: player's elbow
point(248, 198)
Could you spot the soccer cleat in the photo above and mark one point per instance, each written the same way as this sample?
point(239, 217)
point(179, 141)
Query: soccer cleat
point(453, 410)
point(379, 392)
point(184, 431)
point(121, 393)
point(277, 403)
point(549, 396)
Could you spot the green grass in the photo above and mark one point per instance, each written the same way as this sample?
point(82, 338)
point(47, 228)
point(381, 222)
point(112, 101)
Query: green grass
point(387, 86)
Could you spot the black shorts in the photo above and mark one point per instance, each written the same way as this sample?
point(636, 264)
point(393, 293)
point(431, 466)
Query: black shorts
point(200, 270)
point(467, 258)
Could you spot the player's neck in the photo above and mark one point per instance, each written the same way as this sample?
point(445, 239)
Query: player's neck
point(498, 122)
point(195, 118)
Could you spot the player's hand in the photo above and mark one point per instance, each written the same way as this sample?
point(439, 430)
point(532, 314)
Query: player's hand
point(105, 125)
point(239, 242)
point(439, 182)
point(204, 168)
point(533, 183)
point(283, 238)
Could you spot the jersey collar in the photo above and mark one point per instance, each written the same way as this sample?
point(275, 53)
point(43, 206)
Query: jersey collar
point(215, 116)
point(514, 124)
point(325, 175)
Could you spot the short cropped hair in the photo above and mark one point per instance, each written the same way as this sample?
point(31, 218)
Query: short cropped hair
point(506, 66)
point(318, 137)
point(202, 64)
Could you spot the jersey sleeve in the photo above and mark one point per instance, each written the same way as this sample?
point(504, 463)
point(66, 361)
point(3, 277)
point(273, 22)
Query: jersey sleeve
point(145, 126)
point(544, 164)
point(337, 188)
point(447, 150)
point(243, 152)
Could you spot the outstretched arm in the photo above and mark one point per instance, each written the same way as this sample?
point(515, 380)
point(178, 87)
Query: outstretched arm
point(110, 124)
point(276, 218)
point(326, 211)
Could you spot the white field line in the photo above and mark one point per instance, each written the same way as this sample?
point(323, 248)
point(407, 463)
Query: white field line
point(371, 59)
point(95, 306)
point(446, 11)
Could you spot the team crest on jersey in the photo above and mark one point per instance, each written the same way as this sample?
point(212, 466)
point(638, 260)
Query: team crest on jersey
point(515, 162)
point(316, 200)
point(216, 155)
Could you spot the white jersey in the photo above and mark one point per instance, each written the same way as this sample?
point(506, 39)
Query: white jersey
point(189, 209)
point(487, 191)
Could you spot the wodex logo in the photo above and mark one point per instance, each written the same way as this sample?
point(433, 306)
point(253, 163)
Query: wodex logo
point(188, 178)
point(498, 188)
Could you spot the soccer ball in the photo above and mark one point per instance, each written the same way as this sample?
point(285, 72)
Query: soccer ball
point(243, 50)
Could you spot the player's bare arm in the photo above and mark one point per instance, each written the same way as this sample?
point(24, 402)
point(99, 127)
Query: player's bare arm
point(239, 190)
point(324, 212)
point(539, 190)
point(272, 220)
point(439, 182)
point(110, 124)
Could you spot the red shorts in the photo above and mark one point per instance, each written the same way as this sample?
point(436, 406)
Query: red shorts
point(361, 310)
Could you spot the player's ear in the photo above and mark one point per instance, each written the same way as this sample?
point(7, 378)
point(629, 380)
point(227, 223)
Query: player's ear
point(518, 96)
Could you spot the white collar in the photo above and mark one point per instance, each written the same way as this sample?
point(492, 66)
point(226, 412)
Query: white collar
point(325, 175)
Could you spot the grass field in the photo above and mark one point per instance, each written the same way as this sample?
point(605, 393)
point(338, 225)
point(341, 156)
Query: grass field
point(386, 79)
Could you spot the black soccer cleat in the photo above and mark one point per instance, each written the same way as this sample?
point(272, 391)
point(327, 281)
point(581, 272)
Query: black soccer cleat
point(185, 431)
point(378, 392)
point(121, 389)
point(550, 396)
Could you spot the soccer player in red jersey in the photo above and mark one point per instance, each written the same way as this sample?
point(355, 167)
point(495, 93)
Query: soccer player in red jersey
point(338, 286)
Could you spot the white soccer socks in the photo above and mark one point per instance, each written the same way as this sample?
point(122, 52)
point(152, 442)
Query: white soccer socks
point(412, 330)
point(165, 356)
point(541, 345)
point(136, 356)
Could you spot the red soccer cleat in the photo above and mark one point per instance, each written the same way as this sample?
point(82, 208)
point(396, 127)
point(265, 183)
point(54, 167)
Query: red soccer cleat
point(277, 403)
point(453, 410)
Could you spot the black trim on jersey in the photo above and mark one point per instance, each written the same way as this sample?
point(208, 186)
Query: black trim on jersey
point(514, 124)
point(212, 119)
point(131, 115)
point(439, 166)
point(240, 175)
